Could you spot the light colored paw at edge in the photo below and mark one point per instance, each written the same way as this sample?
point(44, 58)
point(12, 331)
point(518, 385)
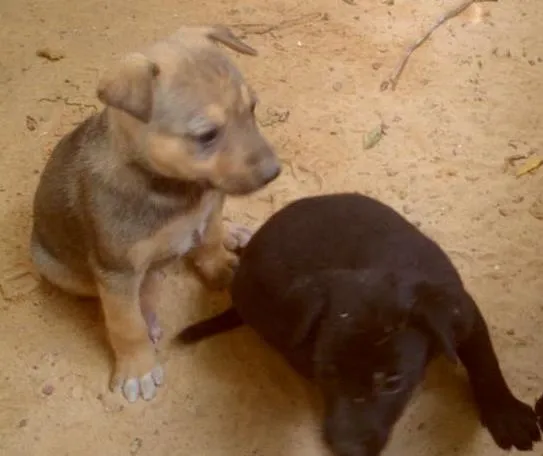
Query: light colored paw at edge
point(145, 386)
point(236, 236)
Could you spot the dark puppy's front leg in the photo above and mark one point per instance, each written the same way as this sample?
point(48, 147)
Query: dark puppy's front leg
point(225, 321)
point(511, 422)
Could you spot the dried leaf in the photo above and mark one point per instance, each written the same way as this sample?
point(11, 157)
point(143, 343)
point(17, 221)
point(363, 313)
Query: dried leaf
point(531, 165)
point(373, 137)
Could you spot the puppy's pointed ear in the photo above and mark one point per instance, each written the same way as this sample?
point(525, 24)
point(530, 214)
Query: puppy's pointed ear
point(433, 311)
point(224, 35)
point(129, 86)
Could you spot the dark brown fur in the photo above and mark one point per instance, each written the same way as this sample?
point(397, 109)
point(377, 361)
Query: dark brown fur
point(358, 299)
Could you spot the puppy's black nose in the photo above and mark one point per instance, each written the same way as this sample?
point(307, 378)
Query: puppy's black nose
point(271, 171)
point(270, 168)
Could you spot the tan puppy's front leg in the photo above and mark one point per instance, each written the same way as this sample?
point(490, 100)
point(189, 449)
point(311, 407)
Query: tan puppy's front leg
point(136, 369)
point(211, 258)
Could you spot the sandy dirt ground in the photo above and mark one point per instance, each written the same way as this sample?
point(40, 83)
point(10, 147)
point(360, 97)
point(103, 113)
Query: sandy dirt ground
point(466, 116)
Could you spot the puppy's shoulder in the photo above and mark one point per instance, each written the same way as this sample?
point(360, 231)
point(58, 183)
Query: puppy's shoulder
point(88, 137)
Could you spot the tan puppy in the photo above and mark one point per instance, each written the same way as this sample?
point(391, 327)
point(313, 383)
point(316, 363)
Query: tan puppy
point(144, 181)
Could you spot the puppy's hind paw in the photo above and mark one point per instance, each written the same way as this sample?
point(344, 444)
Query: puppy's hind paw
point(512, 424)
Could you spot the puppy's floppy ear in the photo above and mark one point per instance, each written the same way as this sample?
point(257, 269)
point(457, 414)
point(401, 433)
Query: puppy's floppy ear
point(432, 310)
point(129, 86)
point(224, 35)
point(307, 299)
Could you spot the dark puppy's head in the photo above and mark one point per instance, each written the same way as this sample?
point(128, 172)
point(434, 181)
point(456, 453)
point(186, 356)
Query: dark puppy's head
point(188, 112)
point(374, 335)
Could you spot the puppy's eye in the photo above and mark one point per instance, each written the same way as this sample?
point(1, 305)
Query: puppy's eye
point(387, 384)
point(207, 138)
point(392, 383)
point(253, 107)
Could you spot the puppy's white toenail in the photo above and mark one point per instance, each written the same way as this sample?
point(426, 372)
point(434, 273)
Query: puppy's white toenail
point(148, 388)
point(131, 389)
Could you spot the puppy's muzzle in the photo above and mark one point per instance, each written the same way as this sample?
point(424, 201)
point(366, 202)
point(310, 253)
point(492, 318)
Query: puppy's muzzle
point(270, 171)
point(266, 166)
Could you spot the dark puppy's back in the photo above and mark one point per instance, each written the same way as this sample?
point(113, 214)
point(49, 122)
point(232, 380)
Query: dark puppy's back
point(345, 230)
point(338, 231)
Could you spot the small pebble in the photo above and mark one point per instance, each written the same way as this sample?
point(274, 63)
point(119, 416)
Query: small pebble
point(48, 389)
point(136, 445)
point(31, 123)
point(23, 423)
point(50, 54)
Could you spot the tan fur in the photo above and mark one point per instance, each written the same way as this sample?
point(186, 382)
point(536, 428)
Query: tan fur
point(145, 181)
point(129, 86)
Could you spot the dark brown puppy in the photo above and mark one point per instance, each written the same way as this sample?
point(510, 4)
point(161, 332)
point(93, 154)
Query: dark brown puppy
point(356, 297)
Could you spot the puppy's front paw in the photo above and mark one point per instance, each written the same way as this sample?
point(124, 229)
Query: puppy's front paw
point(218, 269)
point(512, 424)
point(236, 236)
point(137, 375)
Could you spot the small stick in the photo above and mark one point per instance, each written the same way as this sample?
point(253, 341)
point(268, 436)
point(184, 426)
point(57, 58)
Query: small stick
point(262, 29)
point(393, 80)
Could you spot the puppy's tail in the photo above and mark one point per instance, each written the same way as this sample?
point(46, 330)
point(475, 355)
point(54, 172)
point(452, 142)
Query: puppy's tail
point(226, 321)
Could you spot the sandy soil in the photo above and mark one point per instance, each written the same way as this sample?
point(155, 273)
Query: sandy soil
point(468, 100)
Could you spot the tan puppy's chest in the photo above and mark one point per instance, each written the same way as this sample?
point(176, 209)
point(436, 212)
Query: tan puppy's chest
point(178, 236)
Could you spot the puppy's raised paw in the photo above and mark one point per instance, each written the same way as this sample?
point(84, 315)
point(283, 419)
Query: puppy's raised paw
point(512, 424)
point(217, 267)
point(236, 236)
point(223, 273)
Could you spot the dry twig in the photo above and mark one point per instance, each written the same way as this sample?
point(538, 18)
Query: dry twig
point(393, 80)
point(67, 102)
point(262, 29)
